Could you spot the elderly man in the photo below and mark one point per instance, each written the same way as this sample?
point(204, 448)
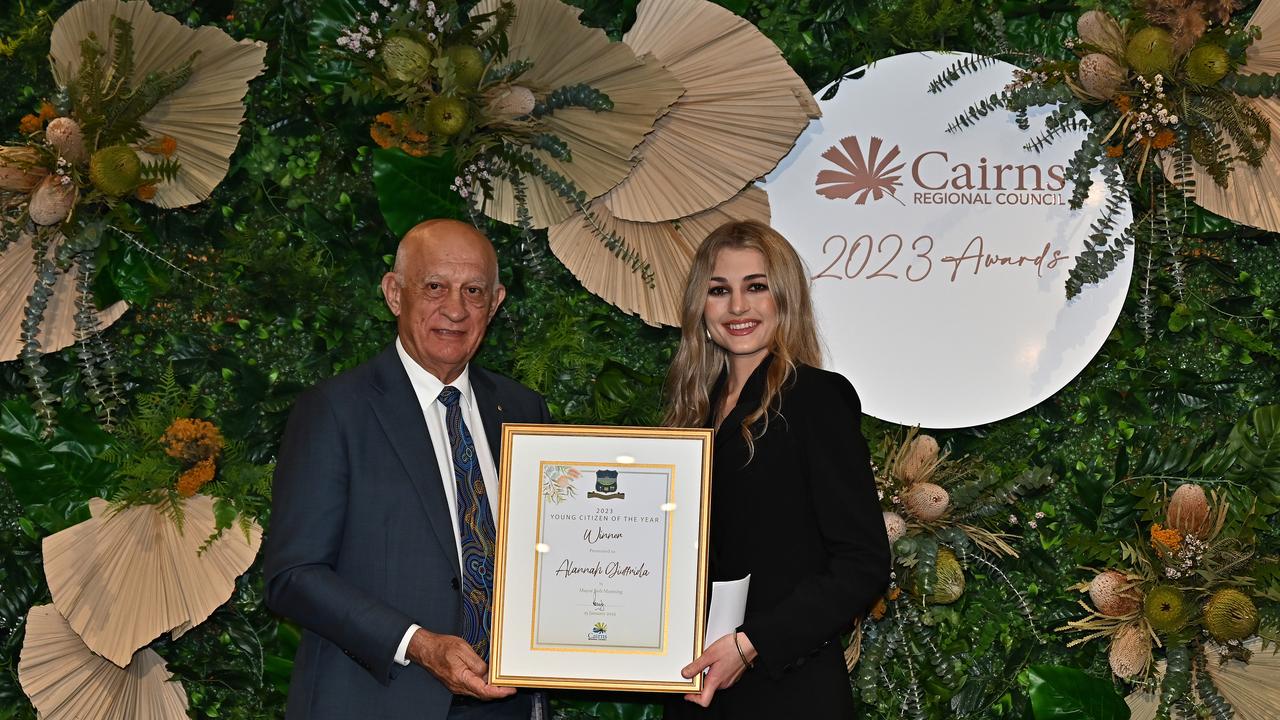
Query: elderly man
point(382, 536)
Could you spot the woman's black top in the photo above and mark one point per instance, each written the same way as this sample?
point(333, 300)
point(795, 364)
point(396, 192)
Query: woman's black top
point(802, 518)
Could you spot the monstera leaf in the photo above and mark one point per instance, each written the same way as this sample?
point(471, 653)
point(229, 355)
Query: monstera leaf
point(1255, 440)
point(1063, 693)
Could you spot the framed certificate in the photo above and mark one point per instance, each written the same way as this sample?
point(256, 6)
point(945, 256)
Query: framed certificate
point(601, 568)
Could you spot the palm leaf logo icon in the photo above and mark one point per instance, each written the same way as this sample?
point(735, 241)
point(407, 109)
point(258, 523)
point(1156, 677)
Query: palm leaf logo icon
point(863, 176)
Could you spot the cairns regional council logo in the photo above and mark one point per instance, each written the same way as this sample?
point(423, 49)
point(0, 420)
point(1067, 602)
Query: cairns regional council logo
point(599, 631)
point(936, 177)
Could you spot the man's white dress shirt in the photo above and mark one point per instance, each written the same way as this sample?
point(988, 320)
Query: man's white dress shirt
point(427, 387)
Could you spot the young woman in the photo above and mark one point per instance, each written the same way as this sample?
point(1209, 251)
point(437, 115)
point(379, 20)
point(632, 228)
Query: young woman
point(794, 502)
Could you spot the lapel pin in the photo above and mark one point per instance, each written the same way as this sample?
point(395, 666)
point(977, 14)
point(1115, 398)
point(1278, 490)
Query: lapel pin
point(499, 408)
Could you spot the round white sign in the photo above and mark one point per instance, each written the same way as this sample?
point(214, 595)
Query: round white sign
point(939, 260)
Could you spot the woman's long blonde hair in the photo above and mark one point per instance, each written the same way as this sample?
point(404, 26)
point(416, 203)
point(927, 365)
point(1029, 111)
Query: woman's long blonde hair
point(699, 361)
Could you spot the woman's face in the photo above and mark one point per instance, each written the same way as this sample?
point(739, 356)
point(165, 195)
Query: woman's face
point(740, 313)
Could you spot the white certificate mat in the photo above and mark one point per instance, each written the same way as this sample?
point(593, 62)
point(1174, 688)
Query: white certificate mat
point(601, 557)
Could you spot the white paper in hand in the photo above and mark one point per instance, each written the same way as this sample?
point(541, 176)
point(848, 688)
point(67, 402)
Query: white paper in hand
point(728, 606)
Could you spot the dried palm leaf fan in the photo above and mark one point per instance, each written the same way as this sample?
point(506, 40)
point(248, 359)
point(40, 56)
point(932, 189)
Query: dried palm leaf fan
point(123, 578)
point(204, 115)
point(564, 52)
point(59, 327)
point(1252, 688)
point(1252, 195)
point(742, 110)
point(65, 680)
point(670, 244)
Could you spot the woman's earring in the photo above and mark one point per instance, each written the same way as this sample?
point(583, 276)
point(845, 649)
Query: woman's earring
point(706, 332)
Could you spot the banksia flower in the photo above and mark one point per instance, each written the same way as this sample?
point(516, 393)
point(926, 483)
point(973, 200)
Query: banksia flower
point(894, 526)
point(18, 169)
point(920, 461)
point(47, 111)
point(64, 135)
point(406, 59)
point(115, 170)
point(1130, 651)
point(52, 201)
point(1188, 511)
point(1105, 590)
point(192, 440)
point(926, 501)
point(190, 482)
point(1230, 615)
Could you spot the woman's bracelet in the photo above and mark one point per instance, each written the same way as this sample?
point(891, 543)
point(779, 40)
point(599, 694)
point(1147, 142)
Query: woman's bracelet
point(741, 654)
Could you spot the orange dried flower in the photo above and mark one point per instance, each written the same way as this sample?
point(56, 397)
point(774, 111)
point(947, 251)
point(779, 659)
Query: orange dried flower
point(1123, 103)
point(192, 440)
point(1165, 539)
point(381, 135)
point(895, 593)
point(146, 192)
point(1163, 139)
point(1114, 151)
point(165, 146)
point(30, 124)
point(879, 610)
point(190, 482)
point(47, 111)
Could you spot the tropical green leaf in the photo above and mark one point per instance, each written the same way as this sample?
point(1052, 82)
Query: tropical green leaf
point(412, 189)
point(1064, 693)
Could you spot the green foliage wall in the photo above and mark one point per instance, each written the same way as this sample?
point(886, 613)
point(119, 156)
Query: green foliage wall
point(273, 285)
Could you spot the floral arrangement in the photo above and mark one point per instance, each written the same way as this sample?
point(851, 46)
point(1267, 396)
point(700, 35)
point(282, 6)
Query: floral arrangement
point(145, 113)
point(164, 456)
point(942, 516)
point(1187, 590)
point(461, 98)
point(84, 155)
point(1161, 88)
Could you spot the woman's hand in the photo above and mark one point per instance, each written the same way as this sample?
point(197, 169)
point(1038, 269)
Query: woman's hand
point(725, 666)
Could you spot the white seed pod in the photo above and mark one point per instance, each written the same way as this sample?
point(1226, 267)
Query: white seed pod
point(512, 101)
point(52, 201)
point(18, 169)
point(926, 501)
point(1109, 598)
point(894, 527)
point(1100, 76)
point(64, 135)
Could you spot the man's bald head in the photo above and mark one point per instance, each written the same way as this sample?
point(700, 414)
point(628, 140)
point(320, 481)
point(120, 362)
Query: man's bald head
point(443, 291)
point(442, 231)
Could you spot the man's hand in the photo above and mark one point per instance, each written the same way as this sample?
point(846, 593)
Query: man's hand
point(725, 667)
point(454, 663)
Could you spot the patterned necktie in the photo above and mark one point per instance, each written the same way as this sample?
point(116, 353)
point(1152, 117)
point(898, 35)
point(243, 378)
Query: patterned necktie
point(475, 527)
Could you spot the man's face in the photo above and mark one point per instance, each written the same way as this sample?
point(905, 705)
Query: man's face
point(448, 297)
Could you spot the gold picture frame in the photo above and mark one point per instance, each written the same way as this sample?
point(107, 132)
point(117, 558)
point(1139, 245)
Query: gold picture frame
point(602, 588)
